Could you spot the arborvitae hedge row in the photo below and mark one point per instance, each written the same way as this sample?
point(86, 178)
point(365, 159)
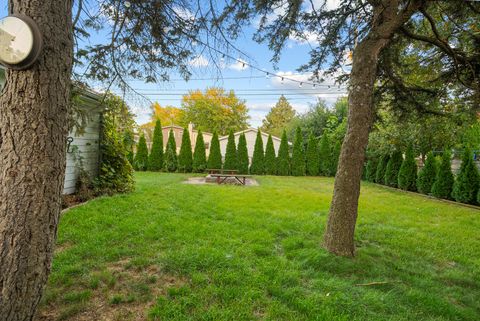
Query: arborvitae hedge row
point(298, 155)
point(155, 159)
point(141, 158)
point(407, 176)
point(215, 157)
point(324, 158)
point(258, 165)
point(270, 159)
point(426, 176)
point(381, 168)
point(242, 154)
point(283, 158)
point(442, 187)
point(171, 162)
point(465, 188)
point(393, 167)
point(371, 169)
point(231, 153)
point(185, 161)
point(199, 155)
point(313, 165)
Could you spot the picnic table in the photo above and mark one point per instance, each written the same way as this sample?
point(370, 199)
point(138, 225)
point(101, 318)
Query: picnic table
point(221, 171)
point(222, 178)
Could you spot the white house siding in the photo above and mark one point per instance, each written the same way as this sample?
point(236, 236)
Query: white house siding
point(87, 144)
point(250, 137)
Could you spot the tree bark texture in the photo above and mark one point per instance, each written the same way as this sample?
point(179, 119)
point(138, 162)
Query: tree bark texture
point(33, 131)
point(342, 218)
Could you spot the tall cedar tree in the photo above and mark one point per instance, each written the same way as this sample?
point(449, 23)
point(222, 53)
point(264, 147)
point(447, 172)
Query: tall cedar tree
point(442, 187)
point(215, 157)
point(155, 159)
point(381, 168)
point(324, 155)
point(334, 156)
point(270, 159)
point(129, 144)
point(312, 156)
point(199, 155)
point(231, 158)
point(141, 158)
point(371, 169)
point(393, 167)
point(171, 162)
point(242, 154)
point(466, 185)
point(258, 166)
point(185, 161)
point(283, 158)
point(298, 155)
point(426, 176)
point(407, 176)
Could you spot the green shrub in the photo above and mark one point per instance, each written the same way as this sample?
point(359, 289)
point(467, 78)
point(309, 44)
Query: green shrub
point(381, 168)
point(258, 165)
point(371, 169)
point(231, 160)
point(324, 157)
point(426, 176)
point(129, 143)
point(442, 187)
point(199, 155)
point(270, 159)
point(185, 161)
point(465, 188)
point(283, 158)
point(242, 154)
point(478, 196)
point(334, 157)
point(141, 158)
point(171, 154)
point(393, 167)
point(312, 156)
point(155, 159)
point(407, 176)
point(298, 155)
point(215, 157)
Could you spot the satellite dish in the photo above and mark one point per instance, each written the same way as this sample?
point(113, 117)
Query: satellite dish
point(20, 42)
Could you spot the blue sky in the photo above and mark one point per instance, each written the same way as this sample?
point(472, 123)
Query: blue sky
point(259, 92)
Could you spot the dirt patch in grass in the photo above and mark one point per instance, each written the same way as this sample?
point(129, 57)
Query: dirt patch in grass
point(122, 291)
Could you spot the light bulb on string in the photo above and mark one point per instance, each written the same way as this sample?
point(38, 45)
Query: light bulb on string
point(300, 85)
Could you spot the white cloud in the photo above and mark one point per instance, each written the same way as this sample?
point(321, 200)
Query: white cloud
point(199, 61)
point(239, 65)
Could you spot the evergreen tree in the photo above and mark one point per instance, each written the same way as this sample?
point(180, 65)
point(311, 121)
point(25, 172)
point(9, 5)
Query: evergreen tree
point(371, 169)
point(129, 143)
point(442, 187)
point(381, 168)
point(298, 155)
point(155, 159)
point(199, 155)
point(283, 158)
point(171, 154)
point(215, 157)
point(466, 185)
point(270, 159)
point(334, 156)
point(258, 166)
point(478, 196)
point(312, 156)
point(141, 158)
point(242, 155)
point(407, 176)
point(426, 176)
point(185, 161)
point(231, 160)
point(324, 155)
point(393, 167)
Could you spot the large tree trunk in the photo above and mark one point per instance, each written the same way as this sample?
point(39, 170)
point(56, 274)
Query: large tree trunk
point(33, 130)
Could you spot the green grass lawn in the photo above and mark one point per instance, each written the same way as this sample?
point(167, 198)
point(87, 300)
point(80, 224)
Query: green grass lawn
point(172, 251)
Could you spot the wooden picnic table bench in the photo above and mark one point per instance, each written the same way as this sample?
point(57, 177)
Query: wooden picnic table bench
point(221, 171)
point(222, 178)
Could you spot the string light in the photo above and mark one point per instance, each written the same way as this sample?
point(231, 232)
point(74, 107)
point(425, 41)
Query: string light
point(300, 85)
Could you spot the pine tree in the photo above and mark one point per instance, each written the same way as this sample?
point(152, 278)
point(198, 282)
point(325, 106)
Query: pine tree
point(393, 167)
point(185, 161)
point(270, 159)
point(371, 169)
point(407, 176)
point(215, 157)
point(141, 158)
point(258, 166)
point(231, 160)
point(242, 154)
point(283, 158)
point(426, 176)
point(381, 168)
point(442, 187)
point(324, 155)
point(312, 156)
point(155, 159)
point(199, 155)
point(298, 155)
point(171, 154)
point(334, 156)
point(466, 185)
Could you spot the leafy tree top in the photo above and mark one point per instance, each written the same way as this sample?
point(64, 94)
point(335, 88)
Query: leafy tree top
point(280, 115)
